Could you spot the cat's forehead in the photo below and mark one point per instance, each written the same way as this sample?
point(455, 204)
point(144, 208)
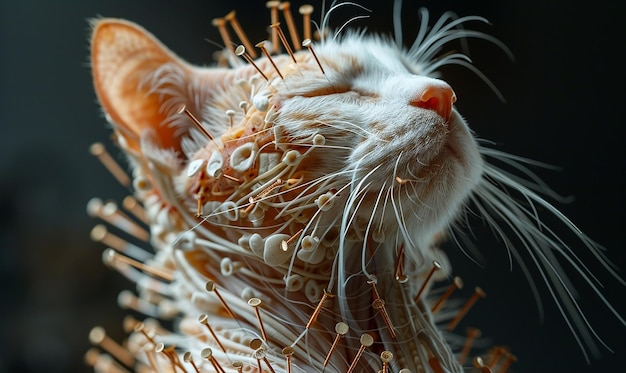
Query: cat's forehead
point(370, 54)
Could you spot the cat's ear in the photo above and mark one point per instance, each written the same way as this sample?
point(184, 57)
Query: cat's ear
point(141, 84)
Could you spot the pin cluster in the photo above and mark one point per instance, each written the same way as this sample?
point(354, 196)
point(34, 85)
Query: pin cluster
point(277, 36)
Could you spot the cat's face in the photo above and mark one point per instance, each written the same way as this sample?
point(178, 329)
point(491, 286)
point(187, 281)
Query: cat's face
point(395, 128)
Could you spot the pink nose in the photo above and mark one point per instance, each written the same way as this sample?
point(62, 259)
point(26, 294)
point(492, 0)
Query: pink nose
point(438, 97)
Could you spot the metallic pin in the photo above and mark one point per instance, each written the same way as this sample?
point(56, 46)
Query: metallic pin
point(170, 354)
point(262, 194)
point(231, 116)
point(372, 282)
point(198, 124)
point(283, 40)
point(285, 6)
point(256, 303)
point(306, 11)
point(200, 200)
point(436, 266)
point(112, 214)
point(141, 328)
point(232, 19)
point(241, 52)
point(212, 287)
point(433, 361)
point(127, 300)
point(261, 46)
point(472, 334)
point(386, 357)
point(288, 353)
point(129, 323)
point(187, 358)
point(111, 256)
point(259, 367)
point(456, 284)
point(366, 341)
point(231, 178)
point(204, 319)
point(379, 304)
point(308, 44)
point(269, 189)
point(238, 365)
point(497, 351)
point(251, 204)
point(435, 365)
point(478, 293)
point(510, 358)
point(100, 233)
point(399, 266)
point(99, 151)
point(98, 337)
point(104, 362)
point(341, 328)
point(255, 344)
point(259, 354)
point(273, 6)
point(132, 205)
point(318, 309)
point(207, 353)
point(243, 105)
point(220, 23)
point(151, 357)
point(401, 181)
point(479, 364)
point(285, 244)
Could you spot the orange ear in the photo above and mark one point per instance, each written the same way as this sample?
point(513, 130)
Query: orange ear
point(124, 58)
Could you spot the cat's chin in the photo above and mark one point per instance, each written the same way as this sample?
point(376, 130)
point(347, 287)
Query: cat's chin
point(451, 176)
point(455, 156)
point(461, 146)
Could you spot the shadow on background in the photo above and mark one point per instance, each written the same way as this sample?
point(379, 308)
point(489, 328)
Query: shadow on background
point(565, 105)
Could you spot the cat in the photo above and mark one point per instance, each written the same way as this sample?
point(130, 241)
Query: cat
point(297, 201)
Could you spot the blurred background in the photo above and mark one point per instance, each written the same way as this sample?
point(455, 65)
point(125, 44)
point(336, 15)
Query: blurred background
point(565, 95)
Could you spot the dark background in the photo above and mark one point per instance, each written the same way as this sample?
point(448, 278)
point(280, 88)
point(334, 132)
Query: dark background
point(564, 105)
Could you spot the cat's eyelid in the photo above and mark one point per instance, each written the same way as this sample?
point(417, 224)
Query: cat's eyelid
point(326, 91)
point(364, 93)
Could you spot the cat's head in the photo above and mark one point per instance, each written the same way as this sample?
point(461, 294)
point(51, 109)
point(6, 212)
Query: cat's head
point(354, 119)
